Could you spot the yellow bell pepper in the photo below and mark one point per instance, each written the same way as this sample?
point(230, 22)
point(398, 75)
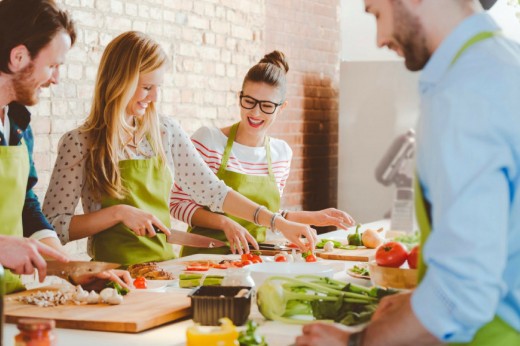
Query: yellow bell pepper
point(226, 335)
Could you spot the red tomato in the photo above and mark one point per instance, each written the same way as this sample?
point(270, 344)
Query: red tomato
point(195, 268)
point(246, 262)
point(280, 258)
point(310, 258)
point(391, 254)
point(413, 257)
point(237, 264)
point(140, 282)
point(256, 259)
point(246, 257)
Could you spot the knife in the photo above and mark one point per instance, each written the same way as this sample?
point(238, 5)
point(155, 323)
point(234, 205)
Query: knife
point(76, 269)
point(193, 240)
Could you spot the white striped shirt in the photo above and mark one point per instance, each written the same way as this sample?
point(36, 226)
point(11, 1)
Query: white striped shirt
point(210, 143)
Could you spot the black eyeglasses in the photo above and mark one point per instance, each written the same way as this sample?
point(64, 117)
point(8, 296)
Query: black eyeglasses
point(249, 102)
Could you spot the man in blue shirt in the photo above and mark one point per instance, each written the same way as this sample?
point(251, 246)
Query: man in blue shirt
point(468, 164)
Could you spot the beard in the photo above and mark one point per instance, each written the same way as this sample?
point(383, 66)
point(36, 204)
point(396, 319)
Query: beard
point(25, 87)
point(409, 34)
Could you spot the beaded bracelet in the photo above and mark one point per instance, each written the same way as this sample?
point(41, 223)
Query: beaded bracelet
point(273, 219)
point(255, 216)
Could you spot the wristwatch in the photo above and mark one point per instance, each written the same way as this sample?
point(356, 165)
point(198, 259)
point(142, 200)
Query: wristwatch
point(356, 339)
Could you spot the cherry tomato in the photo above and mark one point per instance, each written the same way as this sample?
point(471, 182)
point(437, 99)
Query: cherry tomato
point(140, 282)
point(311, 258)
point(280, 258)
point(246, 262)
point(237, 264)
point(413, 257)
point(195, 268)
point(256, 259)
point(391, 254)
point(246, 257)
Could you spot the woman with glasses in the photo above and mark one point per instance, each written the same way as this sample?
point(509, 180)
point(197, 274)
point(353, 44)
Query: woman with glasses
point(250, 162)
point(123, 160)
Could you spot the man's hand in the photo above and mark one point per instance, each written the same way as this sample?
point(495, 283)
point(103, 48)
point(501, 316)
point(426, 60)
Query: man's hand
point(318, 334)
point(23, 255)
point(96, 282)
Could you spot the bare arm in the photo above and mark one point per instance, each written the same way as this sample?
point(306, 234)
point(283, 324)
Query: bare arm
point(238, 205)
point(141, 222)
point(325, 217)
point(237, 235)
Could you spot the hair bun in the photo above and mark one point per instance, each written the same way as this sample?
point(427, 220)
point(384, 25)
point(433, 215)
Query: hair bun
point(276, 58)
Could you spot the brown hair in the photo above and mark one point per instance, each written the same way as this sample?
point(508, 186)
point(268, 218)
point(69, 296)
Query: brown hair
point(272, 70)
point(32, 23)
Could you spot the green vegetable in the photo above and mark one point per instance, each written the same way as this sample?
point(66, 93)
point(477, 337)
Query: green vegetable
point(120, 289)
point(409, 240)
point(337, 245)
point(194, 280)
point(248, 336)
point(280, 298)
point(360, 270)
point(355, 239)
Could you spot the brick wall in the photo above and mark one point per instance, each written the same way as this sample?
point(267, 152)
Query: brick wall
point(212, 43)
point(308, 32)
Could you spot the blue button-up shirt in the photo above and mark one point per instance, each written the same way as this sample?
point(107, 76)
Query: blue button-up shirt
point(468, 160)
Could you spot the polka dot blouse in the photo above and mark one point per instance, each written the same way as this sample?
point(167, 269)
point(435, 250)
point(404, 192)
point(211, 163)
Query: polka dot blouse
point(67, 184)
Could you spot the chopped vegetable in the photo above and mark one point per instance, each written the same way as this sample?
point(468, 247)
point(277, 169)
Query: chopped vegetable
point(329, 246)
point(360, 270)
point(409, 240)
point(309, 256)
point(248, 337)
point(355, 239)
point(120, 289)
point(280, 298)
point(337, 245)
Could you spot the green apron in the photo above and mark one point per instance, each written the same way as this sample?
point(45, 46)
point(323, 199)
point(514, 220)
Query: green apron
point(260, 189)
point(148, 183)
point(496, 332)
point(14, 173)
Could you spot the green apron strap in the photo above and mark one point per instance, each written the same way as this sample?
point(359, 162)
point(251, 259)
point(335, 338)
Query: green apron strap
point(268, 156)
point(227, 150)
point(481, 36)
point(424, 223)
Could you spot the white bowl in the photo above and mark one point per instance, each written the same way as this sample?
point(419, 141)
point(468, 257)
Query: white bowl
point(261, 271)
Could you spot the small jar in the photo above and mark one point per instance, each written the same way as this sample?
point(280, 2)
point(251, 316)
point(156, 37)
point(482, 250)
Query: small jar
point(238, 277)
point(35, 332)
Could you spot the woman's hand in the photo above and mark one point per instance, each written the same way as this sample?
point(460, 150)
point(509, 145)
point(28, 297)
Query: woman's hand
point(97, 282)
point(294, 231)
point(316, 334)
point(331, 217)
point(238, 236)
point(139, 221)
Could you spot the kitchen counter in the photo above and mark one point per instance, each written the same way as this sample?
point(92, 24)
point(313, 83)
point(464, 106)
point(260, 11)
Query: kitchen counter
point(173, 334)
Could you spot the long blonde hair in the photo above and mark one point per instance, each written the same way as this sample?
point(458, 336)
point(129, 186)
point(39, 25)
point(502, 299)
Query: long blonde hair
point(124, 59)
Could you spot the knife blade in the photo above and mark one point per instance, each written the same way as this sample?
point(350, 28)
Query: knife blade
point(193, 240)
point(78, 268)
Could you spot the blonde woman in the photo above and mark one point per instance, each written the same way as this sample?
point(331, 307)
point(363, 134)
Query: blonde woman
point(123, 160)
point(250, 162)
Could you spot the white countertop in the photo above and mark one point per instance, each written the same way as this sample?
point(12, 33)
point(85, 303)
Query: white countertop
point(174, 334)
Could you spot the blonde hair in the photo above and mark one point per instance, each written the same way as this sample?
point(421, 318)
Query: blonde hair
point(124, 59)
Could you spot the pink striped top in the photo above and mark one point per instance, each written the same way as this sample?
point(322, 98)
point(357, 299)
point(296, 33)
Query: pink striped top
point(210, 142)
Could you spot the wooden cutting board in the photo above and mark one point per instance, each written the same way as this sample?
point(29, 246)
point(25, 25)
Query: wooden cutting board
point(359, 255)
point(139, 311)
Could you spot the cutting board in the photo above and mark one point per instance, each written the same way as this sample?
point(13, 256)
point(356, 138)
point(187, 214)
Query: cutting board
point(359, 255)
point(139, 311)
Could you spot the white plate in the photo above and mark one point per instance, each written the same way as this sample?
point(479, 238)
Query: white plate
point(356, 275)
point(155, 285)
